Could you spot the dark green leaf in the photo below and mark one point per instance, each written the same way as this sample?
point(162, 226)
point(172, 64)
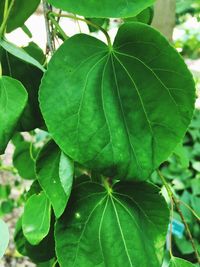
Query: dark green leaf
point(30, 77)
point(176, 262)
point(109, 117)
point(20, 53)
point(104, 8)
point(21, 11)
point(4, 234)
point(124, 226)
point(97, 21)
point(23, 161)
point(55, 175)
point(13, 99)
point(146, 16)
point(36, 218)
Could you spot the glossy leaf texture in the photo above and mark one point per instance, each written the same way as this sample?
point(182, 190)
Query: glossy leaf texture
point(177, 262)
point(42, 252)
point(109, 228)
point(21, 11)
point(36, 218)
point(104, 8)
point(4, 234)
point(13, 99)
point(55, 174)
point(30, 76)
point(118, 106)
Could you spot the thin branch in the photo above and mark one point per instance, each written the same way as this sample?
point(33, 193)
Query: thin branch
point(176, 203)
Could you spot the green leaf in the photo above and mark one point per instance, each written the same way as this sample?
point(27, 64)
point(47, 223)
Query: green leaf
point(36, 218)
point(44, 251)
point(21, 11)
point(176, 262)
point(104, 8)
point(55, 175)
point(109, 117)
point(20, 53)
point(30, 77)
point(108, 228)
point(4, 234)
point(146, 16)
point(98, 21)
point(13, 99)
point(23, 161)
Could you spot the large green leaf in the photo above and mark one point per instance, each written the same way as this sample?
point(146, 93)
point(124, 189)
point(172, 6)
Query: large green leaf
point(176, 262)
point(13, 99)
point(30, 77)
point(36, 218)
point(55, 175)
point(118, 106)
point(21, 11)
point(122, 226)
point(4, 234)
point(104, 8)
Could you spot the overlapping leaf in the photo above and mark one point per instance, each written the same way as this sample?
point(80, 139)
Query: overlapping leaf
point(36, 218)
point(13, 99)
point(104, 8)
point(124, 226)
point(55, 175)
point(177, 262)
point(118, 106)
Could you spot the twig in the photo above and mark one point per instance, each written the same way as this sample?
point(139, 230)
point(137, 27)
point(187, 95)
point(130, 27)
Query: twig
point(176, 203)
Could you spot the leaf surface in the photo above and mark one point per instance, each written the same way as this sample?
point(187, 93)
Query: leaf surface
point(13, 99)
point(101, 228)
point(177, 262)
point(118, 106)
point(36, 218)
point(55, 175)
point(104, 8)
point(21, 11)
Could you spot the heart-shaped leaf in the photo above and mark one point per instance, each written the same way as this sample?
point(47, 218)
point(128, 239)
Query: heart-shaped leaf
point(4, 234)
point(108, 227)
point(55, 175)
point(176, 262)
point(118, 106)
point(13, 99)
point(103, 8)
point(36, 218)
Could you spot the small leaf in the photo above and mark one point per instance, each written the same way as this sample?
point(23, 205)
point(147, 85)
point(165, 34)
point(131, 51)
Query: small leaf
point(20, 53)
point(13, 99)
point(103, 8)
point(55, 175)
point(109, 118)
point(4, 240)
point(36, 218)
point(44, 251)
point(21, 11)
point(177, 262)
point(146, 16)
point(109, 228)
point(23, 161)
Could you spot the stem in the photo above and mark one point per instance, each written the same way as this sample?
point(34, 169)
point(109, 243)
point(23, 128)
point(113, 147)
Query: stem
point(48, 32)
point(86, 21)
point(5, 16)
point(107, 184)
point(57, 26)
point(176, 203)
